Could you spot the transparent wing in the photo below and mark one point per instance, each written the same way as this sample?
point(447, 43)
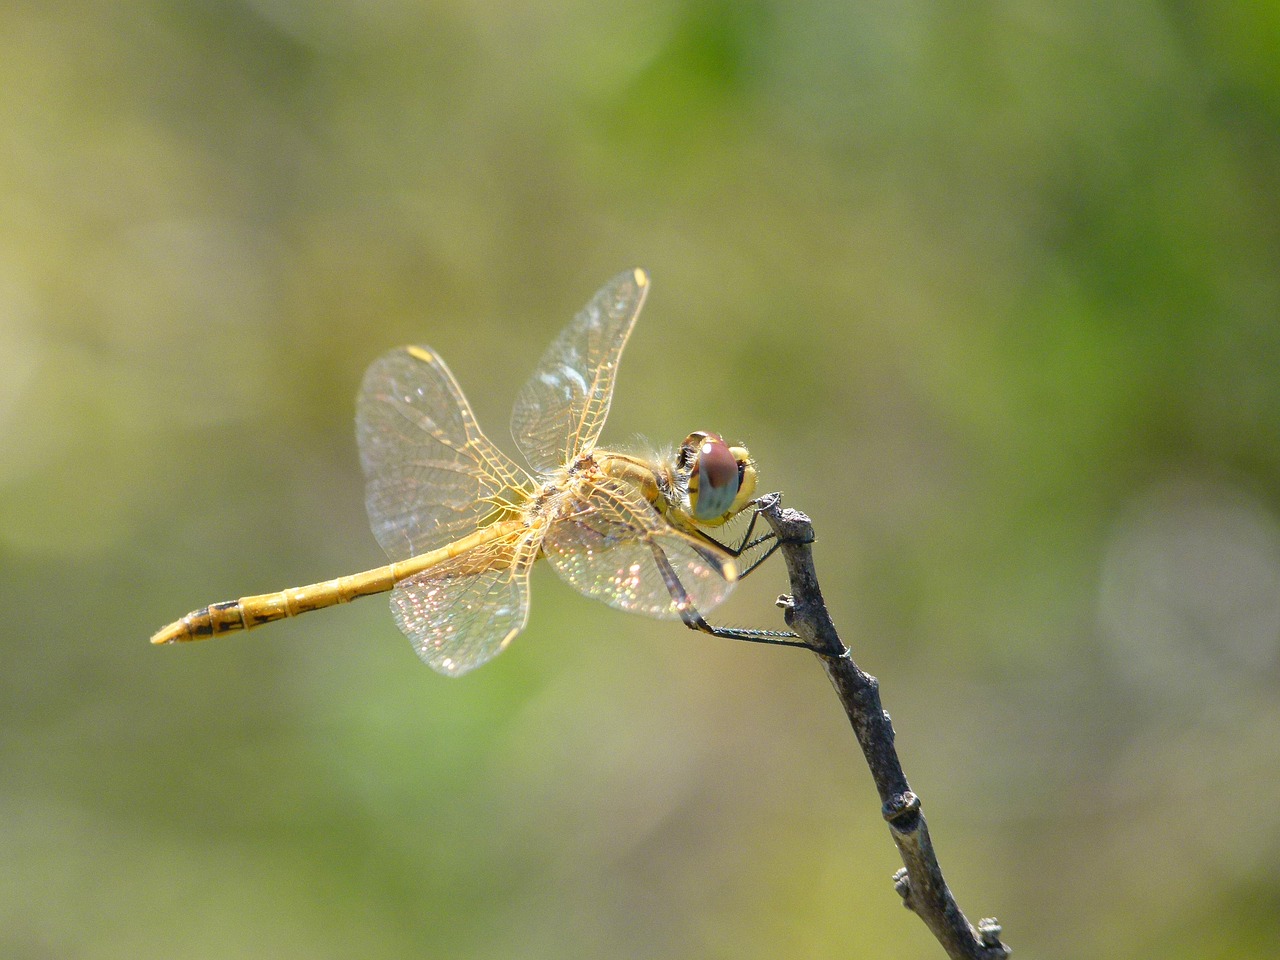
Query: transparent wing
point(463, 612)
point(613, 546)
point(561, 409)
point(431, 475)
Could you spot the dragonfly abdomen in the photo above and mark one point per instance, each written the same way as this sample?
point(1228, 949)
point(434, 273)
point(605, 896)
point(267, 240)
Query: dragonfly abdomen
point(249, 612)
point(210, 621)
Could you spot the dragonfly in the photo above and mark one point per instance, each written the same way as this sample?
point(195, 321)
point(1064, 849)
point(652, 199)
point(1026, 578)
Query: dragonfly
point(463, 524)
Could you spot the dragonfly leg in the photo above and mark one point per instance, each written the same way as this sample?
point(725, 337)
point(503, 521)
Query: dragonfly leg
point(695, 621)
point(746, 543)
point(763, 557)
point(780, 638)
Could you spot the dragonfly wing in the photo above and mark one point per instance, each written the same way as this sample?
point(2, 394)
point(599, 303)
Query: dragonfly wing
point(562, 408)
point(463, 612)
point(616, 548)
point(428, 467)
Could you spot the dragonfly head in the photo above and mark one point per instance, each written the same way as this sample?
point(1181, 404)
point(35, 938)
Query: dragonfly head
point(722, 479)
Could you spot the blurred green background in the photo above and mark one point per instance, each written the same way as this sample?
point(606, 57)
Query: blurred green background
point(990, 290)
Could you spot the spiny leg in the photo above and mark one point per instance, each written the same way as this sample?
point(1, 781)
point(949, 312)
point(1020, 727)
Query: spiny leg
point(695, 621)
point(763, 557)
point(746, 543)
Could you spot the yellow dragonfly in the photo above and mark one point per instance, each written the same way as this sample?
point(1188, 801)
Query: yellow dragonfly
point(463, 523)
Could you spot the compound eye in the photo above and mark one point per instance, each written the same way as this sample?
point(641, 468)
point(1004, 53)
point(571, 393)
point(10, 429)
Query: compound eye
point(713, 483)
point(687, 455)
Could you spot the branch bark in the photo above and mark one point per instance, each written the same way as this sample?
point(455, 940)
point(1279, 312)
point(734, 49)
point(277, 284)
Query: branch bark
point(920, 882)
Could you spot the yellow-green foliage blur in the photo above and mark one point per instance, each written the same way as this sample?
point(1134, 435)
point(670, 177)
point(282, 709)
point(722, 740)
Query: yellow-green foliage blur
point(992, 291)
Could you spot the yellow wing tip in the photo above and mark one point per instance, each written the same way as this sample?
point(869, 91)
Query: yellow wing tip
point(730, 570)
point(421, 353)
point(641, 276)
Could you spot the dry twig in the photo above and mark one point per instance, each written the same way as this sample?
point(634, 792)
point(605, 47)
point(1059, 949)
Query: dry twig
point(920, 883)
